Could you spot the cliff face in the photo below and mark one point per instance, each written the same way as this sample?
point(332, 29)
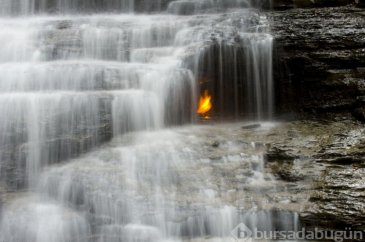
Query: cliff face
point(320, 72)
point(287, 4)
point(320, 60)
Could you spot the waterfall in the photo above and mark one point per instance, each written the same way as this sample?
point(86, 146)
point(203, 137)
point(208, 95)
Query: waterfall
point(24, 7)
point(91, 93)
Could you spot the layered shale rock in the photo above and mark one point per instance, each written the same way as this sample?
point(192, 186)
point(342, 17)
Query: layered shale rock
point(287, 4)
point(319, 66)
point(323, 162)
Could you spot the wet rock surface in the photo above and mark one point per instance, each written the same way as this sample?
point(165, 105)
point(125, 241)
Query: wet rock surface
point(311, 168)
point(320, 59)
point(321, 51)
point(65, 144)
point(319, 68)
point(286, 4)
point(326, 170)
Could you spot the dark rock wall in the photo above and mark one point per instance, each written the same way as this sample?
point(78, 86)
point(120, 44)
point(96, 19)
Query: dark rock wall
point(320, 60)
point(287, 4)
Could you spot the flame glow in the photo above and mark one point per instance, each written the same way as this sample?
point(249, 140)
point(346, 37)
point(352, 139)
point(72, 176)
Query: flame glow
point(205, 103)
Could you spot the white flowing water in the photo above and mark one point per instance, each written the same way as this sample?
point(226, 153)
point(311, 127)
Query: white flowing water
point(89, 92)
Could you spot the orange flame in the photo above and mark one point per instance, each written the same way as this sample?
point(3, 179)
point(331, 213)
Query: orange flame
point(205, 103)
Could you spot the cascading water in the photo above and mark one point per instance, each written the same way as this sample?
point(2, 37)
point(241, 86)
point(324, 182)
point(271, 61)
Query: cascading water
point(71, 82)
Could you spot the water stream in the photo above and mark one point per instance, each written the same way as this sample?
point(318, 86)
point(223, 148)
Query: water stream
point(98, 99)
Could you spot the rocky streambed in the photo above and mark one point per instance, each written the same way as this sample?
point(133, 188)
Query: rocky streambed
point(318, 168)
point(209, 176)
point(310, 168)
